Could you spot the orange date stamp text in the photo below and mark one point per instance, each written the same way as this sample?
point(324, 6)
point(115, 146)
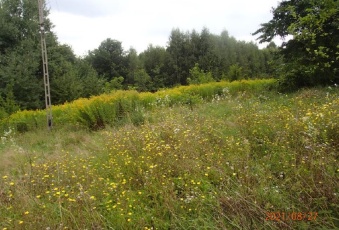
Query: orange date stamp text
point(291, 216)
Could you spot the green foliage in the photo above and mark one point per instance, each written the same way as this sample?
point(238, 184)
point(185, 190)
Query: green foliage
point(214, 54)
point(7, 103)
point(108, 59)
point(154, 60)
point(65, 88)
point(21, 62)
point(133, 65)
point(19, 22)
point(20, 66)
point(70, 77)
point(114, 84)
point(198, 76)
point(234, 73)
point(312, 54)
point(91, 82)
point(143, 81)
point(18, 71)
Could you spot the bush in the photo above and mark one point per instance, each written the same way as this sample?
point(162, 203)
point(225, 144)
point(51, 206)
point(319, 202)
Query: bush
point(198, 76)
point(234, 73)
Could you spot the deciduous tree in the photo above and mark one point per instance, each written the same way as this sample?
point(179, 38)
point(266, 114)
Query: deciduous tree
point(109, 59)
point(311, 56)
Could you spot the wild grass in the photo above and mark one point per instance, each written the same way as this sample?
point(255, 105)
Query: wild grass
point(222, 164)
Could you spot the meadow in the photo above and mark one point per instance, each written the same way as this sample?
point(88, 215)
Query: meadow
point(217, 156)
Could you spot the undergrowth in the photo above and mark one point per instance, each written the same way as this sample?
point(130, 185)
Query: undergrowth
point(121, 107)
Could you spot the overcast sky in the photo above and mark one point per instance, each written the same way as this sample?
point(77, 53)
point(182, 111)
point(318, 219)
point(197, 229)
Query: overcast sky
point(84, 24)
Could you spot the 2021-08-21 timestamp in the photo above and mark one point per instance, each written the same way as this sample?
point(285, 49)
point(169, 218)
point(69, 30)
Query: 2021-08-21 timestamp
point(294, 216)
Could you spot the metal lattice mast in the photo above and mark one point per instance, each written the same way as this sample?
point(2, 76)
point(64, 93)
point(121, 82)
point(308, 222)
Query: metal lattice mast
point(45, 65)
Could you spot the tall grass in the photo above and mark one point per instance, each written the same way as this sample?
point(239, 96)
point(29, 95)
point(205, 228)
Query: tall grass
point(124, 106)
point(223, 164)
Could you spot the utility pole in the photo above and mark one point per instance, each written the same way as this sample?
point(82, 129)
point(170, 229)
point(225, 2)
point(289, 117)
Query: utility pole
point(45, 65)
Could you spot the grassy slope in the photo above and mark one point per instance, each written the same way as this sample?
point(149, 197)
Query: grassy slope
point(222, 165)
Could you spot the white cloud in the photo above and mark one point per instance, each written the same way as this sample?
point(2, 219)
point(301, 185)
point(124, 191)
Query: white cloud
point(84, 24)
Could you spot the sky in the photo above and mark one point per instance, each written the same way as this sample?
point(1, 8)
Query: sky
point(84, 24)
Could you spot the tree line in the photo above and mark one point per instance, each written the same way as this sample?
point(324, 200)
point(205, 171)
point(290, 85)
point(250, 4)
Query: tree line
point(191, 57)
point(218, 56)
